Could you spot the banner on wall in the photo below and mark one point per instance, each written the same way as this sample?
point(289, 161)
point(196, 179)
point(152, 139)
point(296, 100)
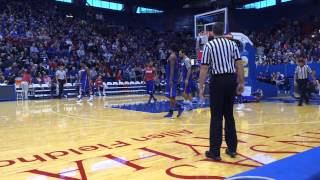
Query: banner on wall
point(248, 53)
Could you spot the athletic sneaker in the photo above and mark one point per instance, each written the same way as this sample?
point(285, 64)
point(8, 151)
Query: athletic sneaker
point(180, 111)
point(169, 115)
point(79, 98)
point(90, 99)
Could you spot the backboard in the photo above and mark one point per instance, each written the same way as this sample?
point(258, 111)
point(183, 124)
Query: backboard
point(203, 22)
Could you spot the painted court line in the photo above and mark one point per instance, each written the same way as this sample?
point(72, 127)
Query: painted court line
point(165, 123)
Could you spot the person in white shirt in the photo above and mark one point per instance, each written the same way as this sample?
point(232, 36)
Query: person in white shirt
point(61, 76)
point(301, 75)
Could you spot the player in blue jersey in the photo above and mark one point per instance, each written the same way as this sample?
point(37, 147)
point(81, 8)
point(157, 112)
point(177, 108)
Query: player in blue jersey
point(172, 75)
point(85, 83)
point(187, 81)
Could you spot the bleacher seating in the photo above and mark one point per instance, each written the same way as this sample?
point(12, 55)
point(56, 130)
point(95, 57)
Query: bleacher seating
point(37, 91)
point(123, 88)
point(71, 90)
point(19, 92)
point(46, 90)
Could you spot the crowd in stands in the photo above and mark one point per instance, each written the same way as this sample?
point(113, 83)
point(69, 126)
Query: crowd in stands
point(288, 40)
point(35, 39)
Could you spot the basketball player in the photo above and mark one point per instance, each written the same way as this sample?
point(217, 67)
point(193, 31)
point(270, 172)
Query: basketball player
point(187, 80)
point(84, 79)
point(172, 72)
point(150, 73)
point(99, 85)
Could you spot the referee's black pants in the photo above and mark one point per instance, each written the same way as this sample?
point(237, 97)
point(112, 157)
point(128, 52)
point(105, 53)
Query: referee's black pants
point(303, 90)
point(222, 94)
point(61, 86)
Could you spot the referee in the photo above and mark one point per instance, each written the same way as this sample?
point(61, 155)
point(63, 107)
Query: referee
point(61, 76)
point(222, 57)
point(301, 79)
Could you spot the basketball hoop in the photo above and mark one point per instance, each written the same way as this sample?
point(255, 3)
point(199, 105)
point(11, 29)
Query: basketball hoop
point(203, 26)
point(204, 22)
point(202, 39)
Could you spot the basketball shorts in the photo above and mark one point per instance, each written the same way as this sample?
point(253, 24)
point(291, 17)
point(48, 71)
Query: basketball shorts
point(187, 89)
point(85, 87)
point(171, 92)
point(150, 86)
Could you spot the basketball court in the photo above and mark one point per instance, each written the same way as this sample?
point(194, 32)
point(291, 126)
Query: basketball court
point(60, 139)
point(122, 137)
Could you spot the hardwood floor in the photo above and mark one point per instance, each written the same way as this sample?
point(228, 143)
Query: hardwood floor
point(60, 139)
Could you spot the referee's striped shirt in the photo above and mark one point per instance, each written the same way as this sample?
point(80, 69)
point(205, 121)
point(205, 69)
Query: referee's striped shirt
point(302, 72)
point(221, 54)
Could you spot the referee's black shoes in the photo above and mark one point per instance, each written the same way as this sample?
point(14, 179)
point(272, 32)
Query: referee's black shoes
point(212, 156)
point(231, 154)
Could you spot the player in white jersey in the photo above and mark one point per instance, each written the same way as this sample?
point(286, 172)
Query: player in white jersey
point(186, 83)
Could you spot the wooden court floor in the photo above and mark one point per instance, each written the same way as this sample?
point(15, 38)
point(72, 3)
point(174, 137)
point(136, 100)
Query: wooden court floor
point(60, 139)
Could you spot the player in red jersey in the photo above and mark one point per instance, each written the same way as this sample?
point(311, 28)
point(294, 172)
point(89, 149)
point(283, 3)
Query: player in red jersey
point(99, 85)
point(149, 77)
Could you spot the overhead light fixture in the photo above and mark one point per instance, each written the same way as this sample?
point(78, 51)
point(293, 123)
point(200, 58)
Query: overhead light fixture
point(69, 16)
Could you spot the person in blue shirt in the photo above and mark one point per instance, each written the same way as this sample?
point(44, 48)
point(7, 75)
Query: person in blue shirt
point(8, 72)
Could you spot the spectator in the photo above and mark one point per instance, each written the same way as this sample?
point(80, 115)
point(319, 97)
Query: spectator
point(133, 75)
point(118, 75)
point(47, 79)
point(286, 42)
point(72, 75)
point(93, 73)
point(26, 80)
point(38, 79)
point(2, 79)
